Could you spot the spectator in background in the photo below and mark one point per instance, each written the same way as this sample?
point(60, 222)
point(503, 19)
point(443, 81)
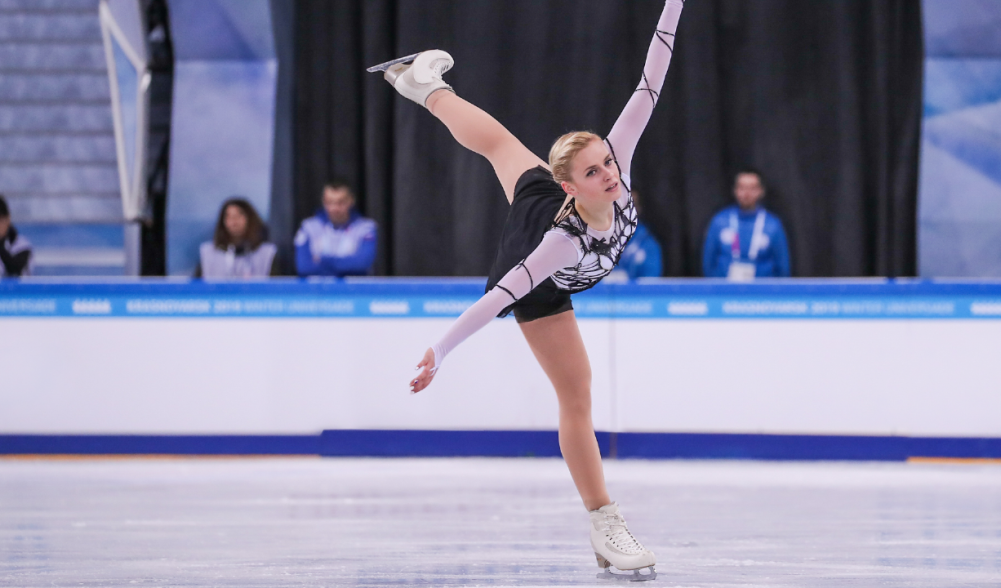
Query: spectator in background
point(746, 241)
point(642, 256)
point(15, 250)
point(238, 249)
point(337, 240)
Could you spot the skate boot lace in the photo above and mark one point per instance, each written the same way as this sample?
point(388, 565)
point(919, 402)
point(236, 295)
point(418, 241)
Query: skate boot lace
point(617, 533)
point(439, 67)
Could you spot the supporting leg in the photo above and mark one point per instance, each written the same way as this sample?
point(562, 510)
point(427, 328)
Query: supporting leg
point(479, 132)
point(557, 344)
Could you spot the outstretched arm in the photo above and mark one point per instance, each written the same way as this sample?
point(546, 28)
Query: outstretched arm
point(626, 132)
point(555, 252)
point(305, 264)
point(357, 264)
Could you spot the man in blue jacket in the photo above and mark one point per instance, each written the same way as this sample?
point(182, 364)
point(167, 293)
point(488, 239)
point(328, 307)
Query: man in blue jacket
point(337, 240)
point(746, 241)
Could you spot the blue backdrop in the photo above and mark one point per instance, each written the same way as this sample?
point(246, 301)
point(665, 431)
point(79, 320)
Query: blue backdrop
point(222, 135)
point(959, 231)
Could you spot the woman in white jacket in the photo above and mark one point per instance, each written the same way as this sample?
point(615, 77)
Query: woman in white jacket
point(239, 247)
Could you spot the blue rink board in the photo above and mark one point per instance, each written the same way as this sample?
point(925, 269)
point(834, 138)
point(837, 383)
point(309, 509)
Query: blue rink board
point(416, 443)
point(443, 298)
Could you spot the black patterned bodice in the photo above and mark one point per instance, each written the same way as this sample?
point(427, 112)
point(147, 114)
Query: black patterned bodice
point(600, 254)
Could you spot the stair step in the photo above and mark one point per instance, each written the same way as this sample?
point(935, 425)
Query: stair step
point(70, 118)
point(78, 256)
point(22, 6)
point(73, 206)
point(59, 177)
point(37, 26)
point(44, 87)
point(57, 148)
point(77, 271)
point(51, 58)
point(61, 235)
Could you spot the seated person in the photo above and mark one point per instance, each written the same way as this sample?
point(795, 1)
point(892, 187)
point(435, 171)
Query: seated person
point(746, 241)
point(238, 249)
point(642, 256)
point(15, 250)
point(338, 240)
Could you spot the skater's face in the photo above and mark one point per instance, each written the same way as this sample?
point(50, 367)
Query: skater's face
point(748, 191)
point(594, 175)
point(338, 202)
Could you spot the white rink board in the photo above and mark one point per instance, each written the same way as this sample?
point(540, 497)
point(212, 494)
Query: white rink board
point(910, 377)
point(272, 376)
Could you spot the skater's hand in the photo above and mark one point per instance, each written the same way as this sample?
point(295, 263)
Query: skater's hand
point(423, 379)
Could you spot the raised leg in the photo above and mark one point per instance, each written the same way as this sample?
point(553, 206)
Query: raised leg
point(479, 132)
point(557, 344)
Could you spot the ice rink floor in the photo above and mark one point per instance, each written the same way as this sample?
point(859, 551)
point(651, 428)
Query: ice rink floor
point(490, 522)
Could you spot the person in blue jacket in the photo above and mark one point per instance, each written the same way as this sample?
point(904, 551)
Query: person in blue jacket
point(746, 241)
point(642, 256)
point(337, 240)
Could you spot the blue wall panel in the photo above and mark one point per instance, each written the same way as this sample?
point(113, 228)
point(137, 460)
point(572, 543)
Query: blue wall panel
point(222, 135)
point(394, 299)
point(959, 232)
point(423, 443)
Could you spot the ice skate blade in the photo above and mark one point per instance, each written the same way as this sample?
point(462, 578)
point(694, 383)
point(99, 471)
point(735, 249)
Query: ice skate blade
point(389, 64)
point(613, 574)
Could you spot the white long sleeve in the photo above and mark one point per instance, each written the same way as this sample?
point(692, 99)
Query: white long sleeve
point(628, 128)
point(555, 252)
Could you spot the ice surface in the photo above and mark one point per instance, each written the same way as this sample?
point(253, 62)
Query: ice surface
point(490, 522)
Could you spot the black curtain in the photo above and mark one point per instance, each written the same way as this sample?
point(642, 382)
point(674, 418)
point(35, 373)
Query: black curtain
point(824, 97)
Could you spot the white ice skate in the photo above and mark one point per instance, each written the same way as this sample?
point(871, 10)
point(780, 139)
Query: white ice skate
point(417, 76)
point(617, 551)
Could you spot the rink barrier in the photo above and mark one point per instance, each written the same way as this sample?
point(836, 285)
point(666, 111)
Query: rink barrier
point(926, 343)
point(419, 443)
point(411, 443)
point(800, 447)
point(445, 298)
point(159, 444)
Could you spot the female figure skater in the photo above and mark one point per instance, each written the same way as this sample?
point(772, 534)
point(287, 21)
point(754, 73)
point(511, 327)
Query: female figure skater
point(568, 224)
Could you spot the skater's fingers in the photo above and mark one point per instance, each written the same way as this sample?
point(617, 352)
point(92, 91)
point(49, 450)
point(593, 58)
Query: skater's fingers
point(417, 386)
point(422, 381)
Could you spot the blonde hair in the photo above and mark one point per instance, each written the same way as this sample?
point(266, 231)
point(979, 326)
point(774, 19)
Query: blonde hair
point(565, 149)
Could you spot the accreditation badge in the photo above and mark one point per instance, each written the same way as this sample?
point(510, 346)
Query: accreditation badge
point(741, 272)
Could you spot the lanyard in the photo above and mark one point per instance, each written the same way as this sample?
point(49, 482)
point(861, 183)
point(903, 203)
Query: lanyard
point(235, 266)
point(756, 237)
